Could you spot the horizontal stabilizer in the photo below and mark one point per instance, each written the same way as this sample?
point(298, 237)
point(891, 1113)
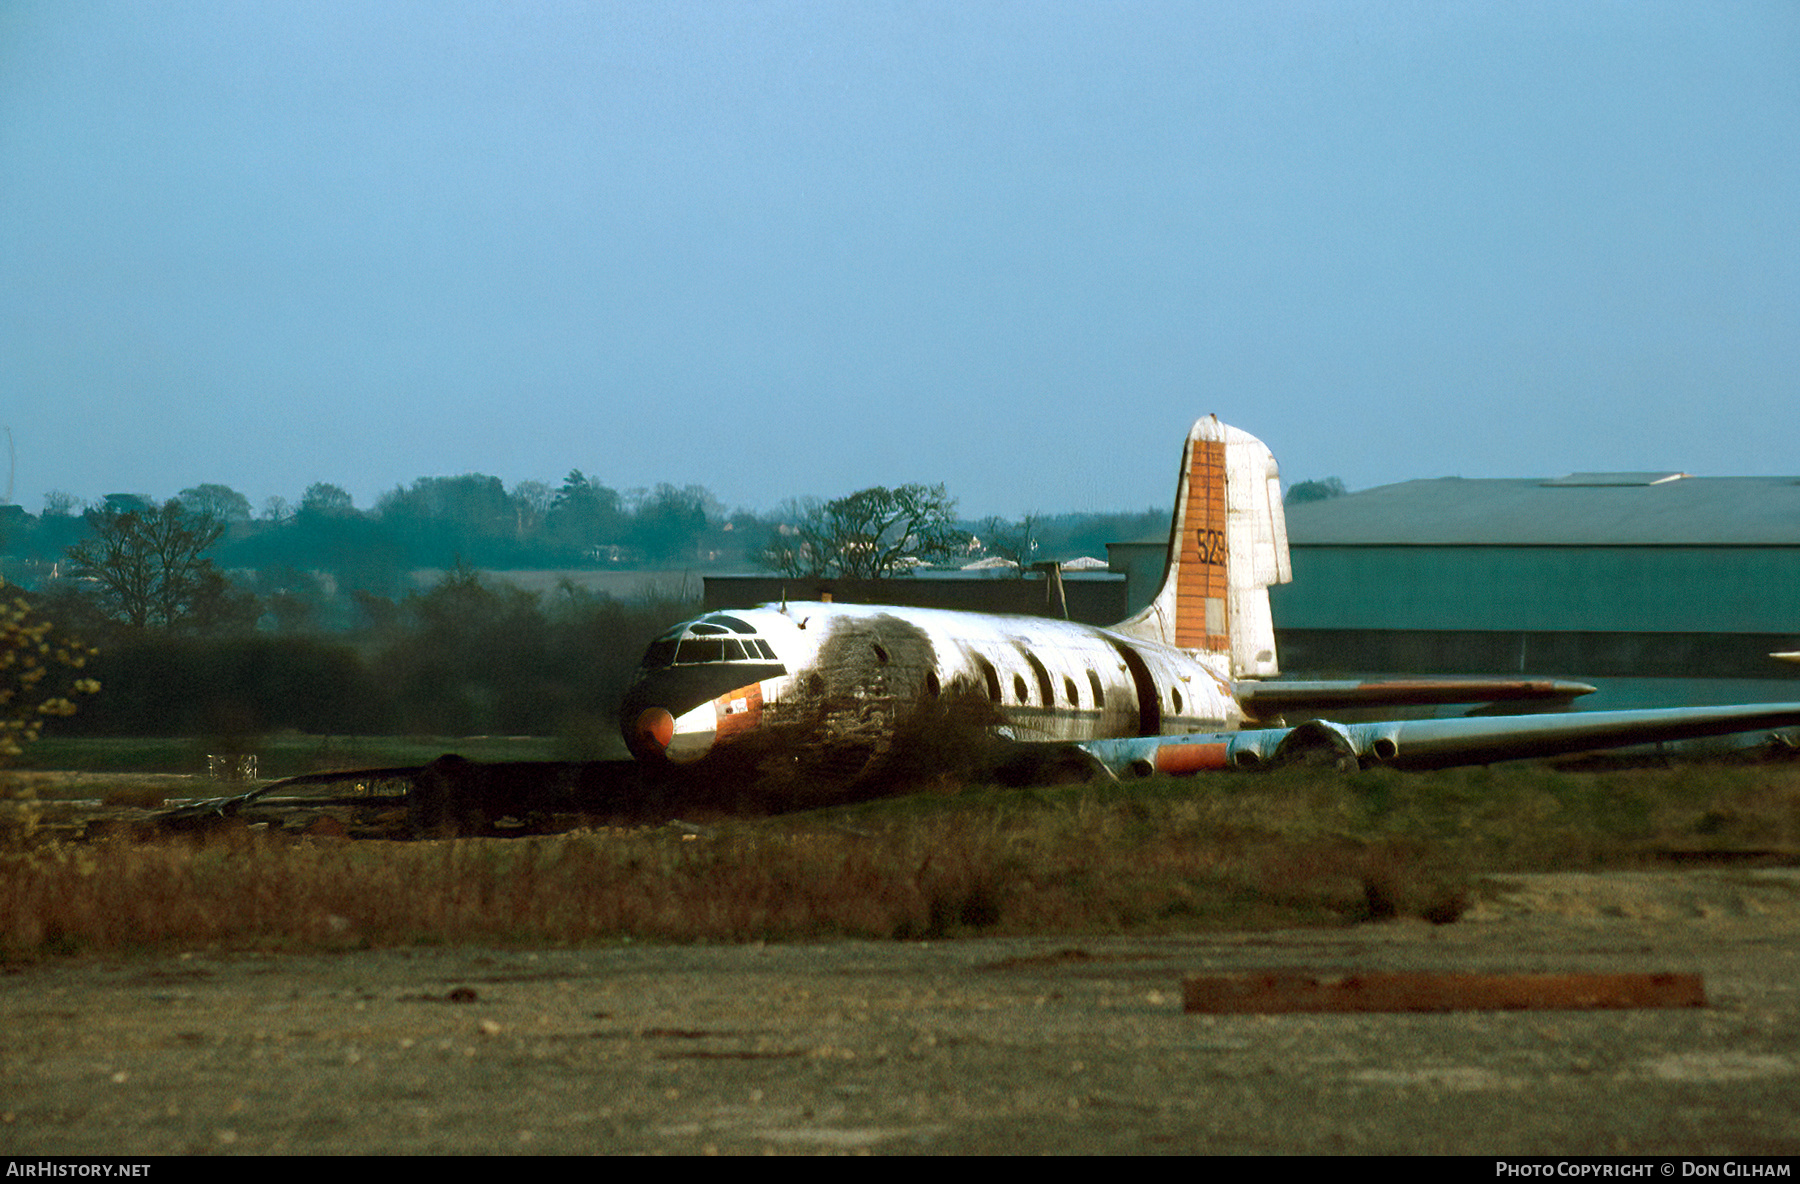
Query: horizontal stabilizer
point(1265, 700)
point(1433, 743)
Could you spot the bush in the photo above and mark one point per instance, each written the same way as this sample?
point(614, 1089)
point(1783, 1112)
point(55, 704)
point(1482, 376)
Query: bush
point(38, 680)
point(36, 676)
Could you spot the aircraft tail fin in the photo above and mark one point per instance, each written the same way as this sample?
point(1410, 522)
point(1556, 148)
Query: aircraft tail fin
point(1227, 544)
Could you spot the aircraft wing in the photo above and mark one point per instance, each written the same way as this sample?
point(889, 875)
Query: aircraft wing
point(1432, 743)
point(279, 793)
point(1267, 700)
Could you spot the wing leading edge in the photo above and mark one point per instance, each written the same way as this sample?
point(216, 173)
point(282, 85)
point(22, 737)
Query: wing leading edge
point(1266, 700)
point(1432, 743)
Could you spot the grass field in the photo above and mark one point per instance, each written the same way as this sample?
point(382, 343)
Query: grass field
point(1297, 847)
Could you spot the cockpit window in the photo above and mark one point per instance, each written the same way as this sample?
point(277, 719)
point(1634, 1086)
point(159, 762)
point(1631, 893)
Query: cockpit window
point(700, 649)
point(730, 622)
point(695, 642)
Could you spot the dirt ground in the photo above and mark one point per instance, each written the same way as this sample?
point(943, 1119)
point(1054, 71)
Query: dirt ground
point(1071, 1045)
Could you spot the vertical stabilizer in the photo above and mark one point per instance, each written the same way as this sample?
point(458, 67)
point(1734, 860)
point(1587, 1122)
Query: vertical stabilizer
point(1227, 544)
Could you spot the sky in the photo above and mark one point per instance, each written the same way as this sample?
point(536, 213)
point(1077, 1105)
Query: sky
point(798, 249)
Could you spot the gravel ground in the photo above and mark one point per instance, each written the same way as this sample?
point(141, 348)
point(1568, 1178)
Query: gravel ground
point(987, 1046)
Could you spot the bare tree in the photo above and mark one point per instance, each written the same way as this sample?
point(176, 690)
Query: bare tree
point(150, 566)
point(530, 501)
point(1014, 541)
point(869, 534)
point(60, 504)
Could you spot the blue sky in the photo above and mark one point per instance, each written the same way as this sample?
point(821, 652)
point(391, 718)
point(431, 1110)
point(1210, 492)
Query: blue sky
point(783, 249)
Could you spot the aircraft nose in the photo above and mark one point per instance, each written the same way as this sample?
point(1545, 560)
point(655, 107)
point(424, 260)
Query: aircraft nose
point(655, 728)
point(683, 739)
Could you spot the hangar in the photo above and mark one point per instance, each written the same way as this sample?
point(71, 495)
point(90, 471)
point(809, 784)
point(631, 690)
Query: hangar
point(1659, 588)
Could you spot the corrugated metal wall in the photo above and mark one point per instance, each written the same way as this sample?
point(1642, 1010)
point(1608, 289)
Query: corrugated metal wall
point(1610, 589)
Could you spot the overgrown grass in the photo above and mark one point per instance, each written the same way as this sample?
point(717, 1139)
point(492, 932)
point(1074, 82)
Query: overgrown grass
point(1291, 848)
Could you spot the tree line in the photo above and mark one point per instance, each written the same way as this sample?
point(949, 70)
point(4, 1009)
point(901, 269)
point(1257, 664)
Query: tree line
point(202, 562)
point(212, 620)
point(467, 656)
point(431, 523)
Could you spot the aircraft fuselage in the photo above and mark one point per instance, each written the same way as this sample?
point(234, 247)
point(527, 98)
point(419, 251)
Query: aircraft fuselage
point(858, 671)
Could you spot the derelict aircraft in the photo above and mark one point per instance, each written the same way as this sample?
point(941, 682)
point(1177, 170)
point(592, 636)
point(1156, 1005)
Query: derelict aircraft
point(1185, 685)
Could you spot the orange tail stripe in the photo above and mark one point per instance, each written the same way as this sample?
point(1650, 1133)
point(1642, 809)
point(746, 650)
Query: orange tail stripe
point(1203, 547)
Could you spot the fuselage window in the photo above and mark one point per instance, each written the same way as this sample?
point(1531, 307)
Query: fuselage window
point(931, 683)
point(1094, 686)
point(1175, 697)
point(1019, 688)
point(1069, 690)
point(1046, 689)
point(881, 655)
point(990, 676)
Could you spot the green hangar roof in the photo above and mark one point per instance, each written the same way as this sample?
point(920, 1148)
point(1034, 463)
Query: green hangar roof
point(1602, 553)
point(1580, 510)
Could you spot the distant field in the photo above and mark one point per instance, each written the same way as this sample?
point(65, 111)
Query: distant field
point(280, 755)
point(621, 585)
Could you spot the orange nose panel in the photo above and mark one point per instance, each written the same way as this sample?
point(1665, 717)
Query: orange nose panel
point(656, 726)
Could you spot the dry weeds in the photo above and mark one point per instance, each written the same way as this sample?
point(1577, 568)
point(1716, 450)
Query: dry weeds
point(1286, 849)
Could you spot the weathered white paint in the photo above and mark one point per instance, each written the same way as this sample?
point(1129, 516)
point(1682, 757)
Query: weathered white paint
point(1169, 669)
point(896, 659)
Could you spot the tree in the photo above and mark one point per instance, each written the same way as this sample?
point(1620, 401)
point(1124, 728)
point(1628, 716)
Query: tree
point(669, 522)
point(870, 534)
point(1014, 541)
point(439, 518)
point(221, 503)
point(1315, 491)
point(530, 501)
point(151, 568)
point(584, 513)
point(473, 505)
point(60, 504)
point(324, 500)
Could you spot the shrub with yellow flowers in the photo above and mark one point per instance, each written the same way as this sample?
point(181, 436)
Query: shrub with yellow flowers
point(39, 676)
